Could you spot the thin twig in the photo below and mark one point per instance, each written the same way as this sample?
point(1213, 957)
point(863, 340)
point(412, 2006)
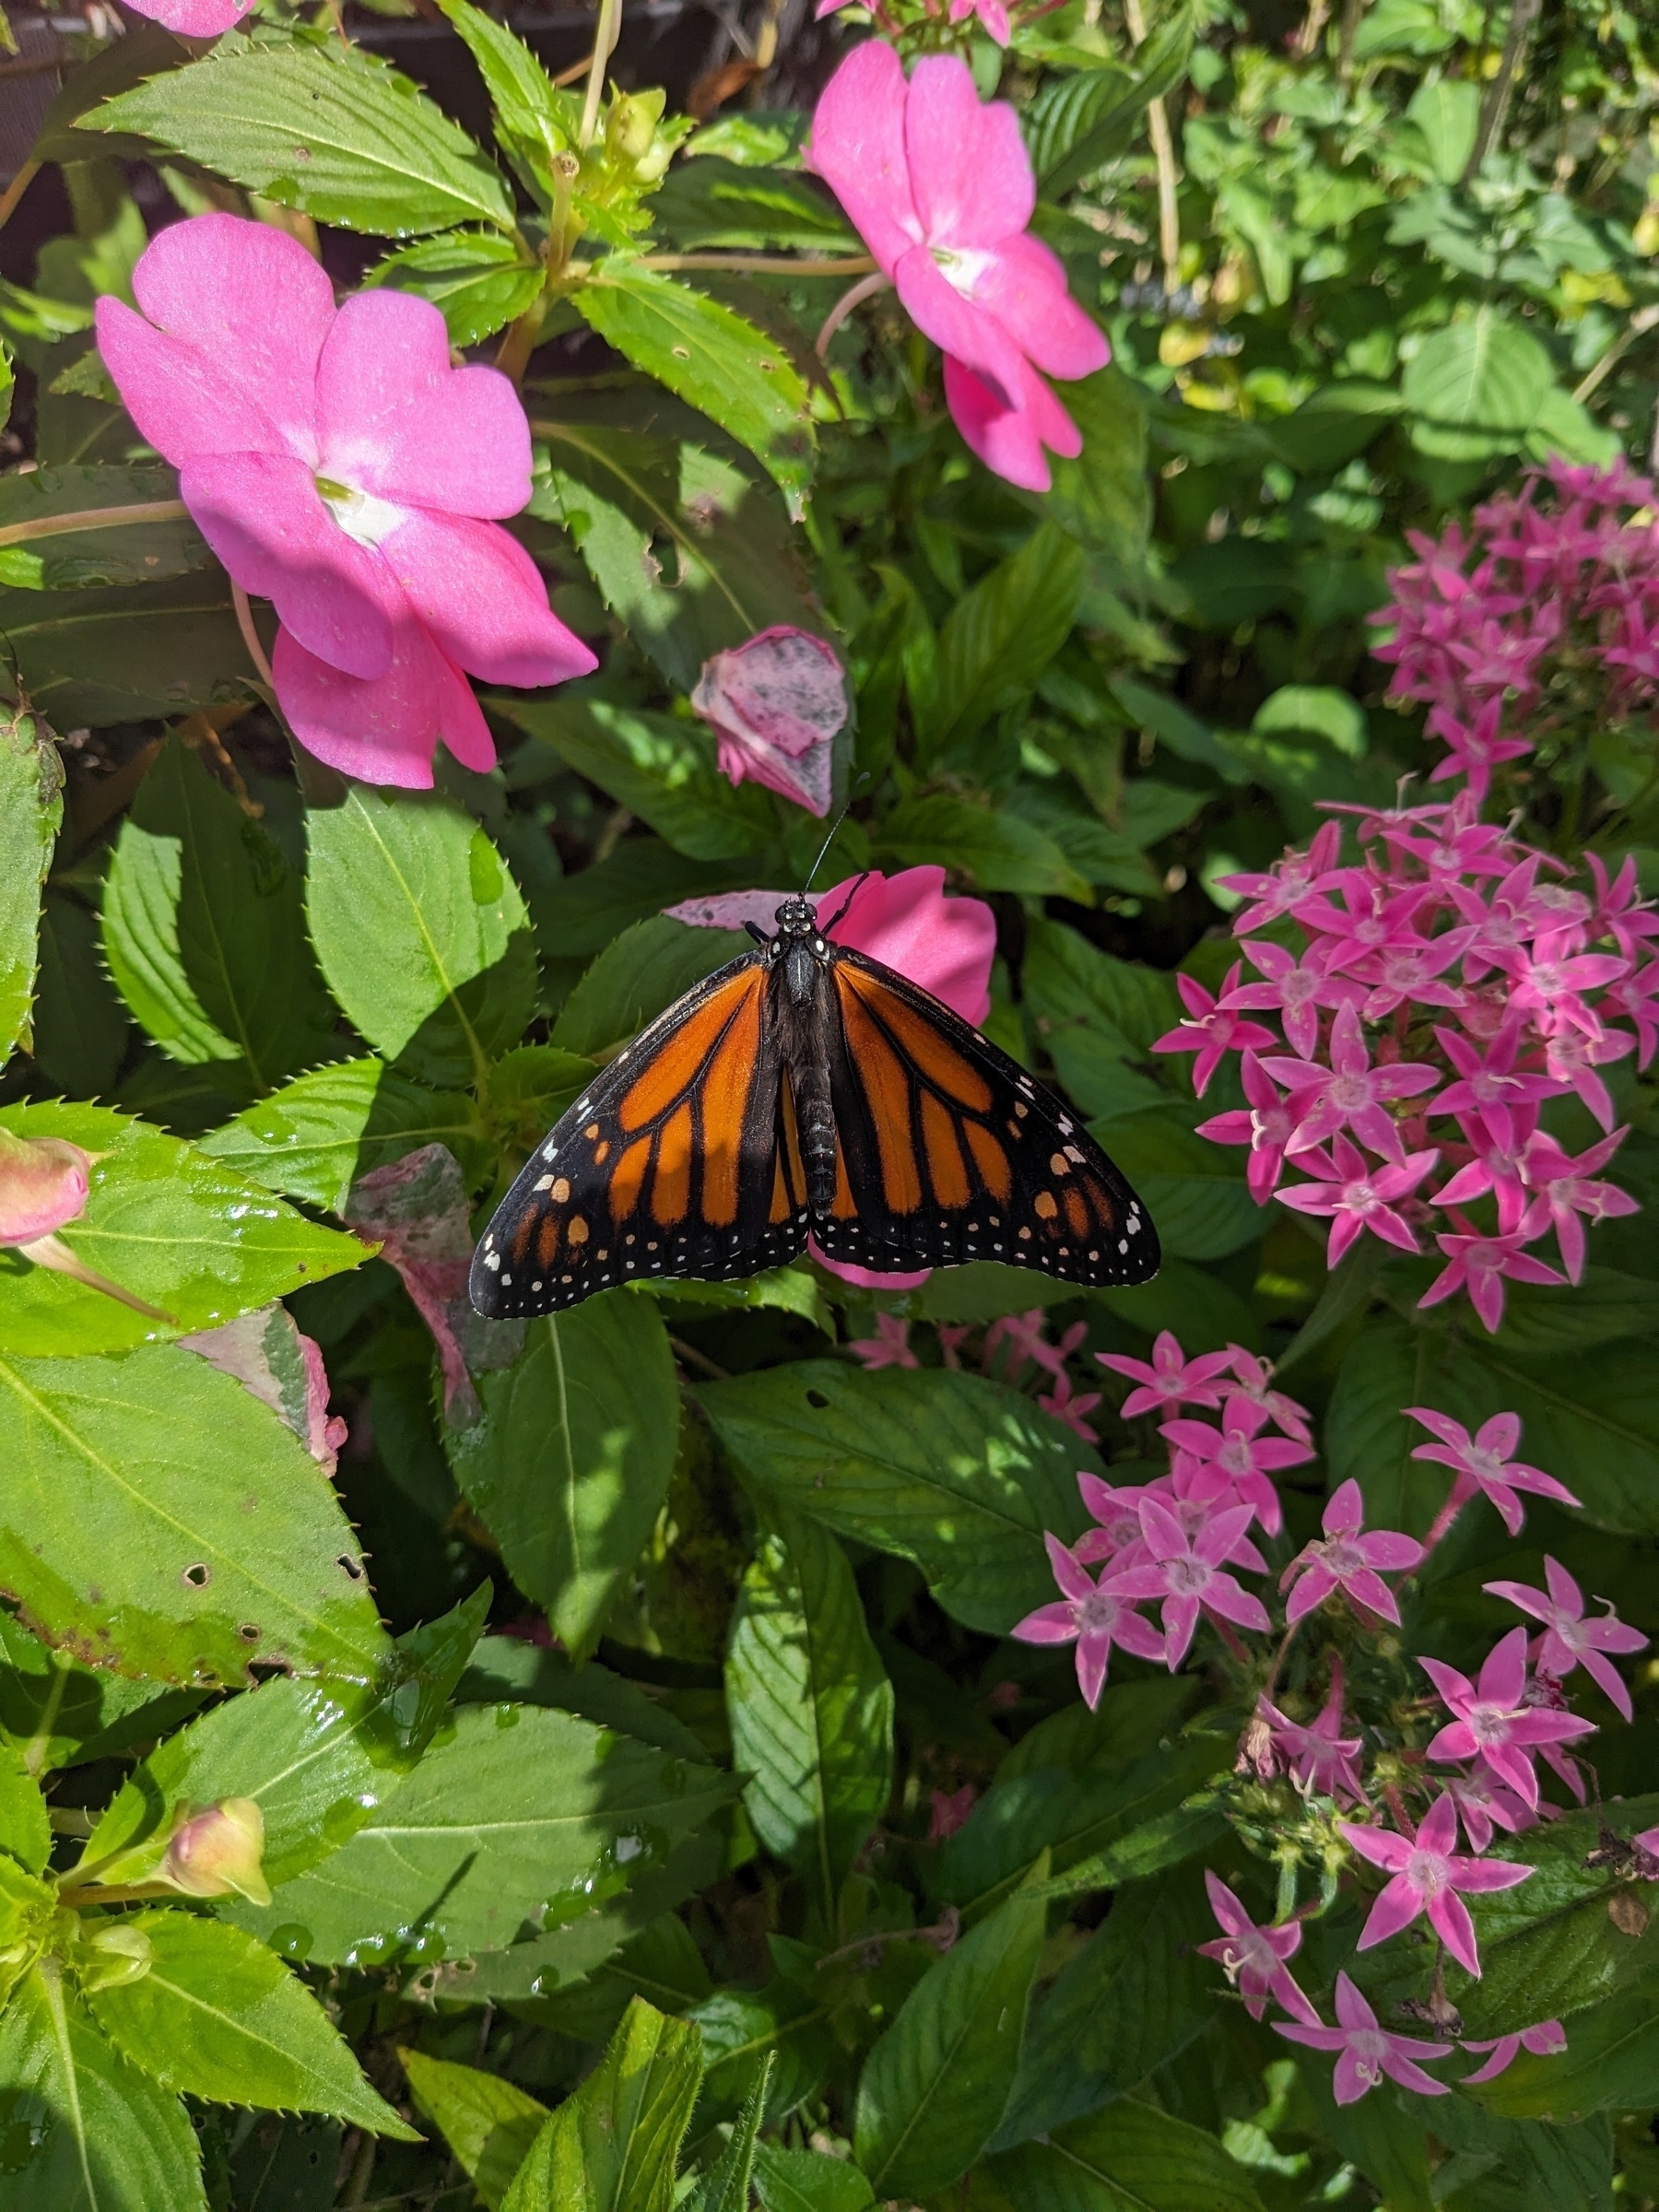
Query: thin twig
point(1163, 153)
point(1495, 106)
point(245, 622)
point(95, 518)
point(855, 296)
point(693, 1358)
point(605, 44)
point(1352, 11)
point(770, 265)
point(16, 189)
point(1642, 322)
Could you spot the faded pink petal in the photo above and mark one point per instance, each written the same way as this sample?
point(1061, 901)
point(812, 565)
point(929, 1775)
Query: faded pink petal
point(776, 704)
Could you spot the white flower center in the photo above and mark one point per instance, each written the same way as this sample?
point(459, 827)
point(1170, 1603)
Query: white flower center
point(361, 516)
point(962, 268)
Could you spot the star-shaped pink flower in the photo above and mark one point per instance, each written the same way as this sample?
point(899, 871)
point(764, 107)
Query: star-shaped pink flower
point(1348, 1560)
point(888, 1347)
point(1265, 1124)
point(1547, 2039)
point(1093, 1615)
point(1245, 1458)
point(1254, 1957)
point(1172, 1380)
point(1210, 1030)
point(1485, 1462)
point(1350, 1093)
point(1367, 2052)
point(1188, 1576)
point(1568, 1194)
point(1426, 1876)
point(1317, 1756)
point(1481, 1265)
point(1356, 1195)
point(1569, 1638)
point(1493, 1721)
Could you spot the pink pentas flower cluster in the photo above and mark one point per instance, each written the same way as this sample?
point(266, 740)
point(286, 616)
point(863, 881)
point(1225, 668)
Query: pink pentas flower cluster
point(1540, 622)
point(938, 184)
point(340, 467)
point(1397, 1059)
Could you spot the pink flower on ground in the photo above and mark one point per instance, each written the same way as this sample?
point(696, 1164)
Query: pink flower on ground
point(1485, 1462)
point(1318, 1757)
point(1254, 1957)
point(1358, 1196)
point(776, 704)
point(45, 1183)
point(888, 1347)
point(341, 468)
point(1094, 1617)
point(1492, 1719)
point(1210, 1030)
point(1545, 2041)
point(1365, 2052)
point(1347, 1560)
point(1188, 1577)
point(1172, 1380)
point(1569, 1638)
point(939, 186)
point(1071, 1407)
point(1426, 1877)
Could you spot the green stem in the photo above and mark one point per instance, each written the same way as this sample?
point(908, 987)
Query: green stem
point(781, 264)
point(605, 44)
point(95, 518)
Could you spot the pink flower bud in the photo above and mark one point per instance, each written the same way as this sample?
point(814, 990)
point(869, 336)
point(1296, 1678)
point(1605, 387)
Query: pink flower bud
point(43, 1186)
point(775, 705)
point(216, 1851)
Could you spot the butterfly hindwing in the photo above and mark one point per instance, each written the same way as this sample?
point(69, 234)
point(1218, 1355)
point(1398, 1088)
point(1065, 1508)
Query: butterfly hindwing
point(949, 1152)
point(679, 1160)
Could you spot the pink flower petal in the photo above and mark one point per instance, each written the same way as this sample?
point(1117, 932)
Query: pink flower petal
point(968, 169)
point(483, 601)
point(1010, 440)
point(858, 149)
point(945, 945)
point(1024, 286)
point(383, 729)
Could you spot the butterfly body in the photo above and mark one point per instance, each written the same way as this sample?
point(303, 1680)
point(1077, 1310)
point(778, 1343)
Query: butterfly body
point(806, 1089)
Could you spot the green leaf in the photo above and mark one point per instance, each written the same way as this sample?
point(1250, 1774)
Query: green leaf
point(1446, 110)
point(1384, 2134)
point(517, 1819)
point(95, 657)
point(1610, 2064)
point(933, 2089)
point(642, 972)
point(218, 2015)
point(25, 1829)
point(1194, 1191)
point(81, 1029)
point(531, 116)
point(713, 358)
point(160, 1520)
point(1066, 107)
point(31, 806)
point(658, 766)
point(613, 2145)
point(343, 138)
point(1129, 2158)
point(86, 2132)
point(202, 933)
point(808, 2180)
point(742, 2029)
point(712, 202)
point(66, 528)
point(1163, 62)
point(421, 932)
point(489, 2122)
point(998, 640)
point(570, 1462)
point(1367, 1438)
point(726, 2188)
point(57, 1714)
point(1167, 720)
point(1098, 1019)
point(958, 1475)
point(810, 1706)
point(316, 1137)
point(1000, 851)
point(1475, 388)
point(178, 1230)
point(1101, 497)
point(315, 1758)
point(505, 1668)
point(478, 280)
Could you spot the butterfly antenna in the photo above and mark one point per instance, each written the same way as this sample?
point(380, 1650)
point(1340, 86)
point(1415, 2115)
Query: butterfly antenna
point(834, 828)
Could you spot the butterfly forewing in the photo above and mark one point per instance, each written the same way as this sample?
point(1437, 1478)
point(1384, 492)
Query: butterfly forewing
point(948, 1151)
point(679, 1160)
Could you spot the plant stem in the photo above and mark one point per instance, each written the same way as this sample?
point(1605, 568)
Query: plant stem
point(245, 622)
point(1163, 153)
point(1495, 106)
point(608, 31)
point(865, 288)
point(16, 189)
point(95, 518)
point(778, 264)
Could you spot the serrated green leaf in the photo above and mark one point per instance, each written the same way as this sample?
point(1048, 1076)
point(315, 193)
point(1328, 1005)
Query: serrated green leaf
point(960, 1476)
point(642, 972)
point(478, 280)
point(810, 1706)
point(55, 1713)
point(612, 2146)
point(170, 1227)
point(1610, 2064)
point(1160, 64)
point(1101, 497)
point(807, 2181)
point(715, 203)
point(341, 137)
point(933, 2088)
point(1129, 2158)
point(31, 806)
point(315, 1758)
point(421, 932)
point(91, 2133)
point(66, 528)
point(218, 2015)
point(488, 2121)
point(713, 357)
point(316, 1137)
point(534, 121)
point(81, 1028)
point(127, 1541)
point(25, 1829)
point(519, 1820)
point(1066, 107)
point(202, 933)
point(726, 2189)
point(570, 1462)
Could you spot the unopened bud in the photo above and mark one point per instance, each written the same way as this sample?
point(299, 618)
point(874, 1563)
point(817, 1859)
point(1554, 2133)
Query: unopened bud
point(631, 124)
point(216, 1852)
point(112, 1955)
point(43, 1185)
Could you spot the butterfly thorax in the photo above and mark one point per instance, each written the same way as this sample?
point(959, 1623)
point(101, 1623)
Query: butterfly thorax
point(800, 949)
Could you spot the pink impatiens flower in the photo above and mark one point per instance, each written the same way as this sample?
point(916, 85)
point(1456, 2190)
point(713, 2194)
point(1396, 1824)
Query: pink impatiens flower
point(341, 468)
point(939, 186)
point(1365, 2052)
point(1347, 1560)
point(1569, 1638)
point(775, 704)
point(1546, 2040)
point(1094, 1617)
point(1187, 1575)
point(1254, 1957)
point(1427, 1875)
point(1493, 1721)
point(44, 1184)
point(193, 19)
point(1483, 1464)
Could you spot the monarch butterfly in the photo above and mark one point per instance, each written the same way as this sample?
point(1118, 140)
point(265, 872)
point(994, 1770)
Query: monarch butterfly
point(806, 1089)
